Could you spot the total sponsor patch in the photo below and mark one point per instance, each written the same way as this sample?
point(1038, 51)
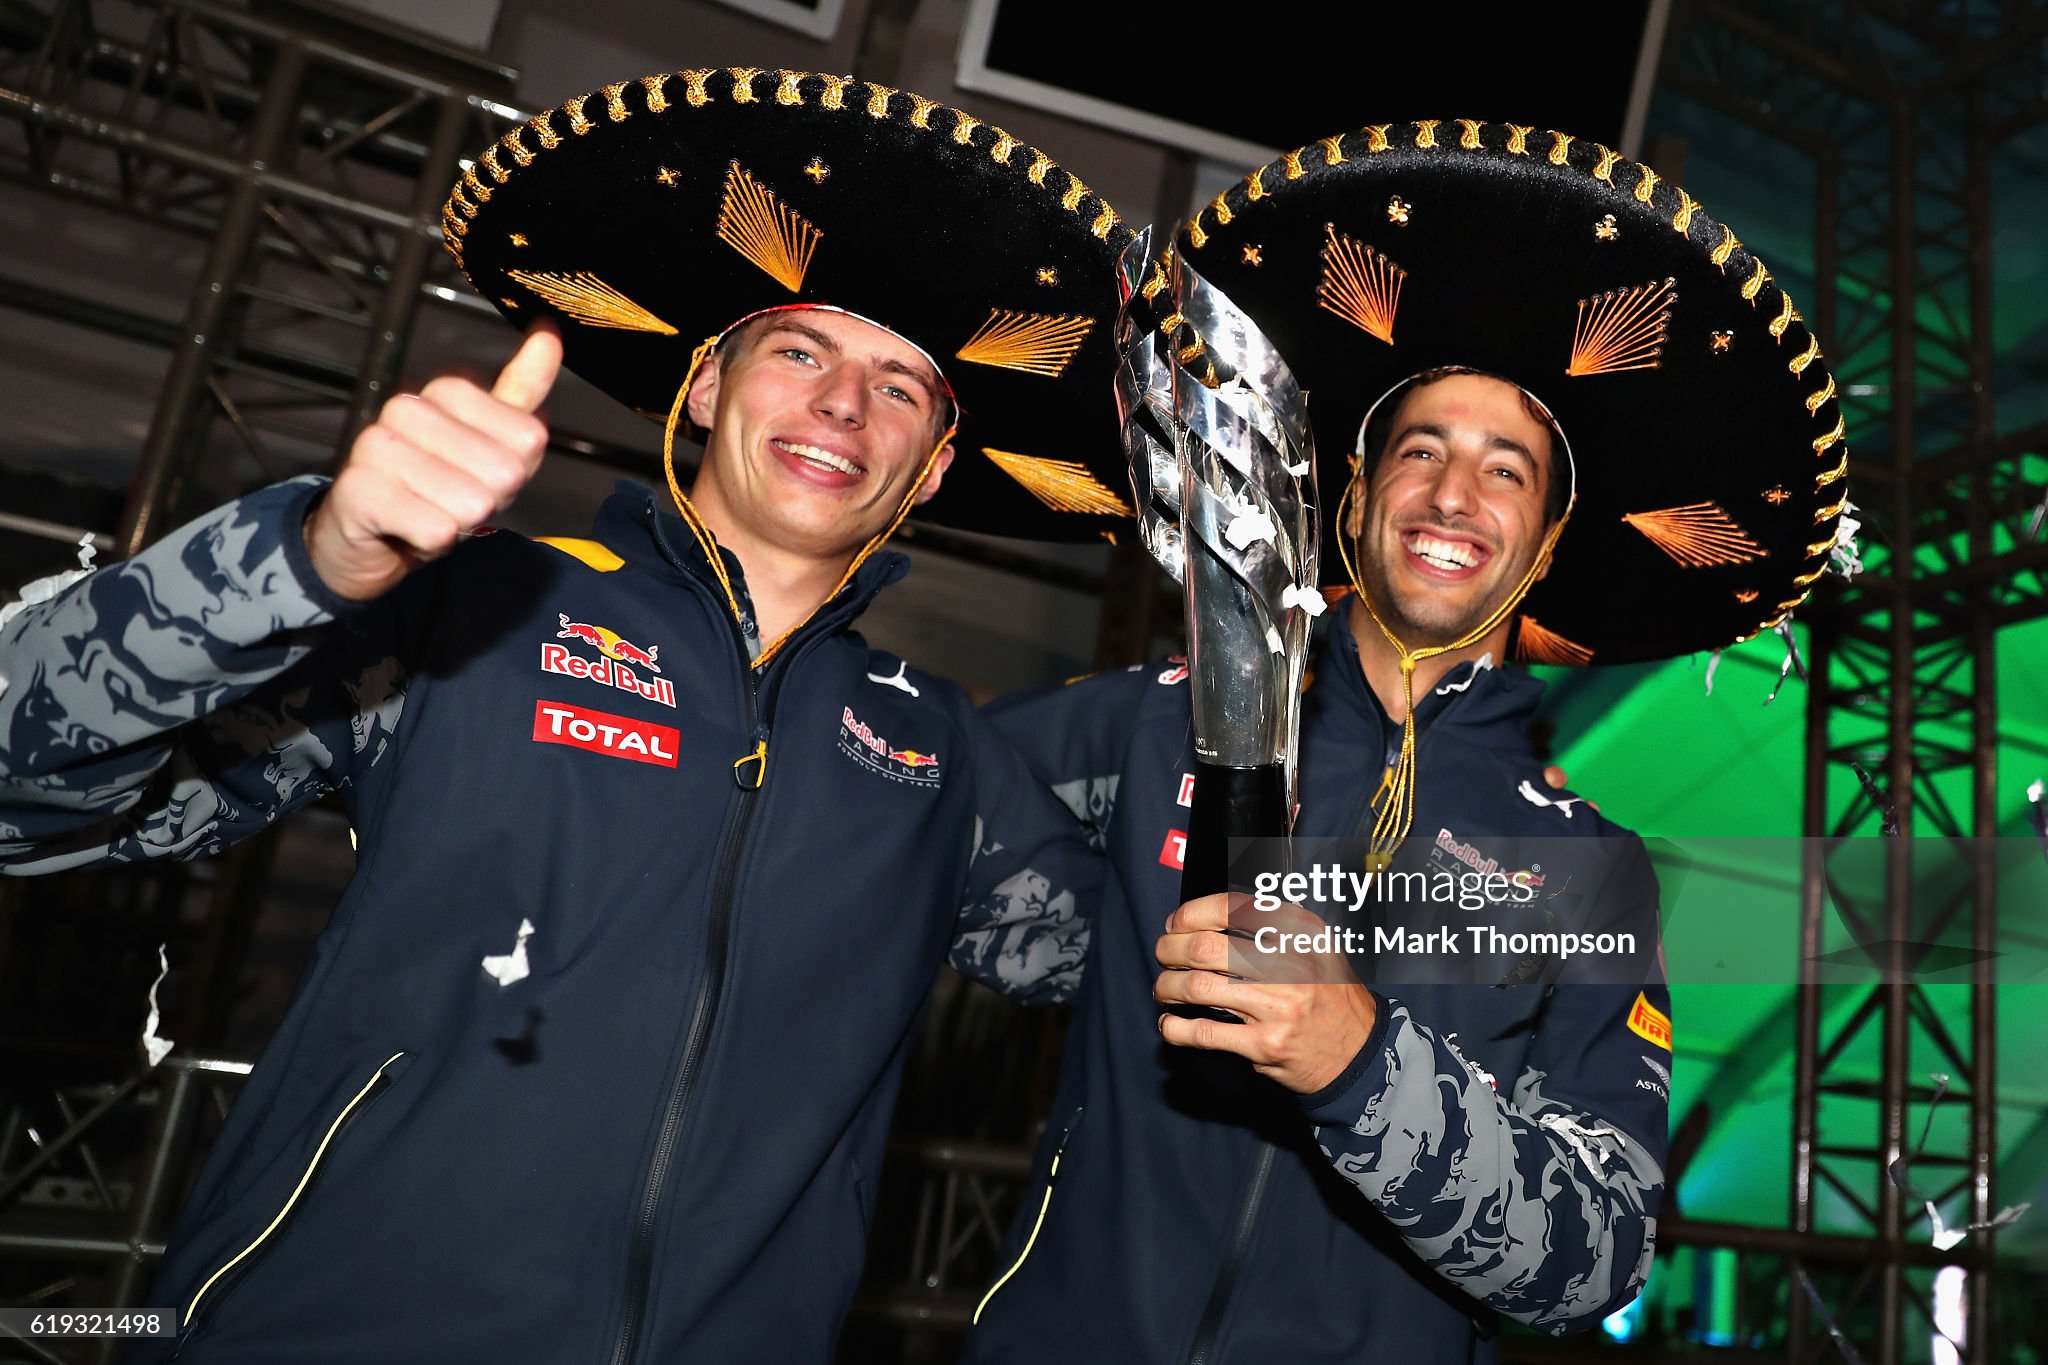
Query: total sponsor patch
point(601, 732)
point(859, 742)
point(1649, 1022)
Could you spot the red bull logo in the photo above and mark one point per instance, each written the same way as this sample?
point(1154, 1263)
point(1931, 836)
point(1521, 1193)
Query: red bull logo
point(608, 643)
point(615, 665)
point(860, 743)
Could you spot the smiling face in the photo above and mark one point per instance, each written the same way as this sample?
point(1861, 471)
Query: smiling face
point(818, 424)
point(1456, 508)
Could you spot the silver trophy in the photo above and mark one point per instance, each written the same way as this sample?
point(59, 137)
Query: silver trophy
point(1223, 465)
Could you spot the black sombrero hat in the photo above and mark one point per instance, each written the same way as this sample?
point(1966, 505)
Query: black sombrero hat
point(1708, 444)
point(651, 215)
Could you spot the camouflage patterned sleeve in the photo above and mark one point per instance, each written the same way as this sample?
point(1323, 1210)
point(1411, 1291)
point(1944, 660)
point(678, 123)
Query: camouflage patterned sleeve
point(1540, 1201)
point(154, 708)
point(1032, 883)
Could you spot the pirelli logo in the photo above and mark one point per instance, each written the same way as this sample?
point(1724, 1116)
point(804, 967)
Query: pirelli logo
point(1647, 1021)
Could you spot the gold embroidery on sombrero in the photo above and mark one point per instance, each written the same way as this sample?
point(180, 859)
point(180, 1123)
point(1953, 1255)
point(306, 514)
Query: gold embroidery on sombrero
point(1255, 186)
point(775, 237)
point(1333, 150)
point(1820, 547)
point(1687, 206)
point(1360, 285)
point(1291, 163)
point(1105, 219)
point(1062, 485)
point(1197, 238)
point(1822, 443)
point(1787, 315)
point(1040, 164)
point(743, 83)
point(1605, 170)
point(1537, 644)
point(1076, 192)
point(1518, 139)
point(1833, 475)
point(1623, 329)
point(579, 123)
point(477, 189)
point(878, 99)
point(1789, 604)
point(455, 198)
point(1004, 145)
point(1729, 241)
point(835, 92)
point(1425, 133)
point(544, 129)
point(1799, 362)
point(511, 143)
point(1820, 395)
point(1158, 280)
point(1720, 342)
point(921, 111)
point(589, 300)
point(694, 81)
point(489, 161)
point(818, 171)
point(615, 102)
point(1809, 578)
point(1035, 343)
point(1375, 140)
point(1832, 510)
point(1560, 147)
point(1696, 535)
point(657, 92)
point(1469, 139)
point(1746, 595)
point(786, 92)
point(1647, 184)
point(963, 127)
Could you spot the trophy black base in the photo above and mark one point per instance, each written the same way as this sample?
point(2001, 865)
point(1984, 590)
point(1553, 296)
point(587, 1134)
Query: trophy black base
point(1234, 803)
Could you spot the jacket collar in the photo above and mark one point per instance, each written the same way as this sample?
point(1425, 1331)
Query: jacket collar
point(1480, 702)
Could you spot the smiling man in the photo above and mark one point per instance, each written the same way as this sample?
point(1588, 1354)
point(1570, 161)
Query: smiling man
point(1560, 418)
point(579, 1071)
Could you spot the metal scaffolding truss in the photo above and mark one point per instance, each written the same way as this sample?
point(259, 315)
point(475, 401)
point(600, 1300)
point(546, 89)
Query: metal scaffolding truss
point(312, 162)
point(1903, 110)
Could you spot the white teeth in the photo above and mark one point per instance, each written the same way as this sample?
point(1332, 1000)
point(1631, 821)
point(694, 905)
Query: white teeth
point(823, 457)
point(1443, 553)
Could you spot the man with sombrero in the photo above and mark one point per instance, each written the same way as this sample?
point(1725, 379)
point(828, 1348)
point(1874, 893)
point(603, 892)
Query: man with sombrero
point(1583, 426)
point(657, 860)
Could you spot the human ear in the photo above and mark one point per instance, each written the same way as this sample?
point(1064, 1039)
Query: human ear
point(703, 399)
point(939, 467)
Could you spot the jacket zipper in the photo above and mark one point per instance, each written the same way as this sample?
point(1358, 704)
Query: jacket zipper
point(371, 1089)
point(1052, 1176)
point(1233, 1258)
point(749, 772)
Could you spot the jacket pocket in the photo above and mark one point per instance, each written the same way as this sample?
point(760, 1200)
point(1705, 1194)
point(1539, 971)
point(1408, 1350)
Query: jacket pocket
point(216, 1286)
point(1052, 1176)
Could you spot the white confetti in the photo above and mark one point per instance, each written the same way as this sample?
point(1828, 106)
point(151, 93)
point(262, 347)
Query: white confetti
point(1248, 528)
point(1300, 470)
point(1713, 662)
point(1273, 642)
point(1844, 558)
point(2035, 789)
point(1309, 599)
point(512, 966)
point(157, 1048)
point(1537, 798)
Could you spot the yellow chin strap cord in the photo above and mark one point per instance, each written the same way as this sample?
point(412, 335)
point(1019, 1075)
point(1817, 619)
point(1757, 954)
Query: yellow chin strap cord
point(1394, 802)
point(709, 543)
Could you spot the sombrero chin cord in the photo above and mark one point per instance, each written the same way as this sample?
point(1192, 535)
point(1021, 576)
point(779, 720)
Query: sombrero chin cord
point(709, 543)
point(1394, 802)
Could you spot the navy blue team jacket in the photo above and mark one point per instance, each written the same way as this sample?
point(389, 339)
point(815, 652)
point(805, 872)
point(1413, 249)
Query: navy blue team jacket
point(595, 1060)
point(1495, 1149)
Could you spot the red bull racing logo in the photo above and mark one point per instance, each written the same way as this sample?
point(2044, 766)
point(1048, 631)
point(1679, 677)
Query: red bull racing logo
point(619, 658)
point(875, 753)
